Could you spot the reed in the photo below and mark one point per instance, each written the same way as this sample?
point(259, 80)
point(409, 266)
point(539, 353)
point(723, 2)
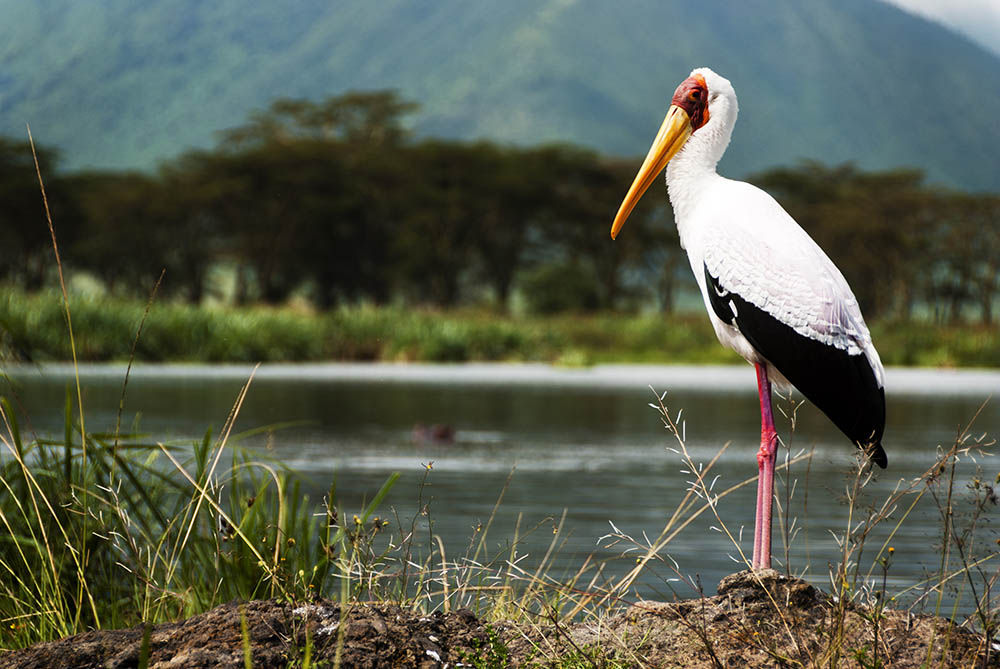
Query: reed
point(33, 326)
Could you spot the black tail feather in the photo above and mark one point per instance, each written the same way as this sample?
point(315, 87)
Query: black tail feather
point(877, 454)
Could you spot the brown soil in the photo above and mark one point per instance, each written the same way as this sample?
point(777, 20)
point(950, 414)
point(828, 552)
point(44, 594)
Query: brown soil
point(763, 621)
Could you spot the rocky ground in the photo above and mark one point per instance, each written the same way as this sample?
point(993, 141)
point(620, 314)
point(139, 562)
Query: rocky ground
point(763, 621)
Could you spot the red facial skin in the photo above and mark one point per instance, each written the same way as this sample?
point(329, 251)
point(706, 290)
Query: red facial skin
point(692, 97)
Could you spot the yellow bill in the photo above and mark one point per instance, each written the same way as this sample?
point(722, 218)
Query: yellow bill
point(673, 133)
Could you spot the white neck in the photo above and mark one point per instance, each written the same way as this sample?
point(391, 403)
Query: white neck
point(696, 162)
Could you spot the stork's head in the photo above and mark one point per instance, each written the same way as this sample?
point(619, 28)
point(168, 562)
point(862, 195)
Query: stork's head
point(691, 98)
point(696, 100)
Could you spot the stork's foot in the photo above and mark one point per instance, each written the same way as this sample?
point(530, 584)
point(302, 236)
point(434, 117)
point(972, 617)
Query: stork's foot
point(759, 590)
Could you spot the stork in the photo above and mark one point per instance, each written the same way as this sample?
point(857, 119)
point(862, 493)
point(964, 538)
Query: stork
point(772, 294)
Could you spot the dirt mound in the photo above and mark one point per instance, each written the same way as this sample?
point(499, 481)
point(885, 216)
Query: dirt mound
point(765, 620)
point(372, 636)
point(761, 620)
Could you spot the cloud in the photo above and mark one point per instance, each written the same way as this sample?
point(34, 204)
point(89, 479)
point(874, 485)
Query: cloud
point(979, 20)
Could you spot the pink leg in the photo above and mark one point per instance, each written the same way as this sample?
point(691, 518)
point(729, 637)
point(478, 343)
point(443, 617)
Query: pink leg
point(765, 465)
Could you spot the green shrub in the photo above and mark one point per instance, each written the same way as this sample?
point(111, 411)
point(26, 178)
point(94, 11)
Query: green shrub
point(560, 287)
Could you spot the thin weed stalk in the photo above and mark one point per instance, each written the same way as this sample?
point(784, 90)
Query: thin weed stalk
point(83, 593)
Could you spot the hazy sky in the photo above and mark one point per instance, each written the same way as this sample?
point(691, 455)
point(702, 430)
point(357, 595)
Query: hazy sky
point(977, 19)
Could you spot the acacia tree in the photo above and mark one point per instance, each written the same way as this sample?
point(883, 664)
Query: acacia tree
point(509, 189)
point(967, 250)
point(584, 192)
point(311, 188)
point(25, 243)
point(433, 240)
point(370, 118)
point(349, 202)
point(984, 216)
point(122, 240)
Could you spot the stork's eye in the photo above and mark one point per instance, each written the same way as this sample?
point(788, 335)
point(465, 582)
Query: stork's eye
point(695, 95)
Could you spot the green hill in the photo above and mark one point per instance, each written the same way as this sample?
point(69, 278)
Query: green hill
point(125, 84)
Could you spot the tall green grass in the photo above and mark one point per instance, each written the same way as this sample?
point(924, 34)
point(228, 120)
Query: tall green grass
point(930, 345)
point(129, 530)
point(34, 326)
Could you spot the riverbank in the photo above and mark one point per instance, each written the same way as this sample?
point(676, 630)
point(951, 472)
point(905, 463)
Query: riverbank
point(33, 327)
point(755, 620)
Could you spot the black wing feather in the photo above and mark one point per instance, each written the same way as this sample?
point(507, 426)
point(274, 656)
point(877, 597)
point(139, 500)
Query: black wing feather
point(841, 385)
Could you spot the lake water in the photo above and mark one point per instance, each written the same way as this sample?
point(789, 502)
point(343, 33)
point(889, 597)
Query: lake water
point(579, 441)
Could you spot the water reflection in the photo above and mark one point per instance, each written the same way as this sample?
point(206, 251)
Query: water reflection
point(583, 441)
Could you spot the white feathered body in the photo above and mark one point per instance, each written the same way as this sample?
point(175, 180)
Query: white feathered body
point(754, 248)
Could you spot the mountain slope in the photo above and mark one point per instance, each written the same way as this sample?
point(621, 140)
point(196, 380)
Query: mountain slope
point(119, 84)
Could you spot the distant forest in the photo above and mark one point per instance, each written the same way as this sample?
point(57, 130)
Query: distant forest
point(336, 202)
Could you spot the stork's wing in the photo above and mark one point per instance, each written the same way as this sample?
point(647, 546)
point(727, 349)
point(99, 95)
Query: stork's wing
point(793, 305)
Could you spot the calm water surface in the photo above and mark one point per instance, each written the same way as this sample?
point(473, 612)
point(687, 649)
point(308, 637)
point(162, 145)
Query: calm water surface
point(580, 441)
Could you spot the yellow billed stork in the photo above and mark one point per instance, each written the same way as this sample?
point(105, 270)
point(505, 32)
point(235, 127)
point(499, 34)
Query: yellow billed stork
point(772, 294)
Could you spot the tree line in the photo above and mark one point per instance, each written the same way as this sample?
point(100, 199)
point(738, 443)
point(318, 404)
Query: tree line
point(336, 201)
